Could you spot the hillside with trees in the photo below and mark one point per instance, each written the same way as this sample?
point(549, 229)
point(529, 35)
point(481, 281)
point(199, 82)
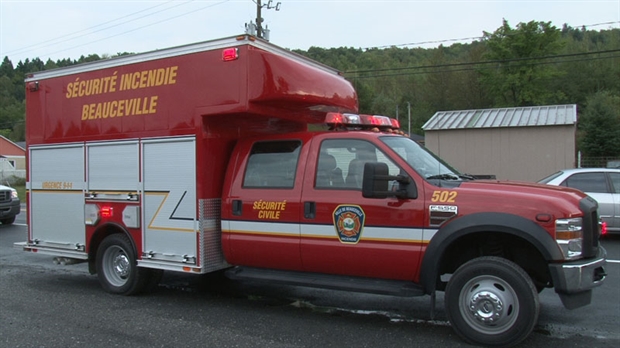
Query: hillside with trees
point(531, 63)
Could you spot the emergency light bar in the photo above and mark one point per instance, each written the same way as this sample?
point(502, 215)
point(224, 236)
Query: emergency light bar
point(377, 122)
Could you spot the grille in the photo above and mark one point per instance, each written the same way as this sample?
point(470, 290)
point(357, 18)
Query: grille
point(590, 227)
point(5, 196)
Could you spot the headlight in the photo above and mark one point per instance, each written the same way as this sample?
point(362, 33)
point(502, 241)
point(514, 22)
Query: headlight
point(569, 236)
point(14, 194)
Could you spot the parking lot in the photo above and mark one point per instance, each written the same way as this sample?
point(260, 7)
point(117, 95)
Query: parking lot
point(47, 305)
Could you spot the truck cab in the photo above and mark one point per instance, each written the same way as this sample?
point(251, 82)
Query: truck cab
point(295, 202)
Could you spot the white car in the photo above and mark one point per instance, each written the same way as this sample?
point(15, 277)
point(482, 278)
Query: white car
point(602, 184)
point(9, 205)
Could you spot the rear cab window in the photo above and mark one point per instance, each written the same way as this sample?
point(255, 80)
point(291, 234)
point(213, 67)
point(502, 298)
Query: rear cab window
point(272, 164)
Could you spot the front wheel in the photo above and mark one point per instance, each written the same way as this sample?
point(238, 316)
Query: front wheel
point(492, 301)
point(117, 267)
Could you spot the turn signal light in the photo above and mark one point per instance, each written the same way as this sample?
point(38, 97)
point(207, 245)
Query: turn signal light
point(106, 211)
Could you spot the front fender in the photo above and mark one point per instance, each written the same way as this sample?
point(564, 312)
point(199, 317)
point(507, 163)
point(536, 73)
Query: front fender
point(483, 222)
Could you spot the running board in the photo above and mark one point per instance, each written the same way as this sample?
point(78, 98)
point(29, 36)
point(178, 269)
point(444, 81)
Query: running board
point(328, 281)
point(47, 250)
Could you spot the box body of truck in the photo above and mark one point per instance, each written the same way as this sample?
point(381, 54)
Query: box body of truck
point(143, 142)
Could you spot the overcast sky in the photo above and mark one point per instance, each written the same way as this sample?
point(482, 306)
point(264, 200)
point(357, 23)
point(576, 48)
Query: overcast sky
point(59, 29)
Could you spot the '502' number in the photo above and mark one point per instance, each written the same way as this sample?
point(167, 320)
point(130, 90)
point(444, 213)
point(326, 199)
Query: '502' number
point(444, 196)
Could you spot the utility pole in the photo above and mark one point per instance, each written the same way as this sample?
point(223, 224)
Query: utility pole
point(260, 32)
point(259, 19)
point(409, 118)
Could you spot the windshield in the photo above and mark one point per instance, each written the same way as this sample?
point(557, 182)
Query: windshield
point(420, 159)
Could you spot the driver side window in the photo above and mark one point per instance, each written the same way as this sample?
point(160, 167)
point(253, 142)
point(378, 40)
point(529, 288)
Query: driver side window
point(341, 163)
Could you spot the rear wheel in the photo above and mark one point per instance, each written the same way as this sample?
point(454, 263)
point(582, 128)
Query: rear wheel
point(492, 301)
point(117, 268)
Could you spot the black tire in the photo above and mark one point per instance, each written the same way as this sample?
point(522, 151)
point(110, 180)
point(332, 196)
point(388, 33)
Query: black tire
point(491, 301)
point(8, 221)
point(117, 268)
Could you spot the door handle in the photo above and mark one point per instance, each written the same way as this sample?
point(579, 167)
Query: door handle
point(237, 207)
point(309, 210)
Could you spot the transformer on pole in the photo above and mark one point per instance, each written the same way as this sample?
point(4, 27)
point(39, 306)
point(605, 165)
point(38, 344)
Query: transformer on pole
point(257, 28)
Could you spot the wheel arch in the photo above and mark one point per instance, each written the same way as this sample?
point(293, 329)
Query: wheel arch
point(100, 234)
point(511, 231)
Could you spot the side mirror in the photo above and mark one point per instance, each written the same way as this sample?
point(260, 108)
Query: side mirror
point(376, 181)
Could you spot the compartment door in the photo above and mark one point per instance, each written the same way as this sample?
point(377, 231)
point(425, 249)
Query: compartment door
point(169, 180)
point(56, 197)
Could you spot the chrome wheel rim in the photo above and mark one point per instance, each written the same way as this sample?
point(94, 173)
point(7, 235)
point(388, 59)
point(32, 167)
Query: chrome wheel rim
point(116, 266)
point(489, 304)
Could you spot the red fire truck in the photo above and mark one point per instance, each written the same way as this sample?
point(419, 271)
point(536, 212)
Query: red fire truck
point(238, 155)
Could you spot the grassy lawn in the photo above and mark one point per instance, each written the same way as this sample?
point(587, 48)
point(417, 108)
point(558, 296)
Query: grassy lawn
point(21, 192)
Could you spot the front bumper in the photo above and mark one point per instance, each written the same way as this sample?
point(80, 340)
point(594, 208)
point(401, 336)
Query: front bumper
point(8, 210)
point(574, 281)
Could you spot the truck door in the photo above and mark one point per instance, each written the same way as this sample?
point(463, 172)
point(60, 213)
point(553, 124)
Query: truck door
point(262, 228)
point(56, 201)
point(345, 233)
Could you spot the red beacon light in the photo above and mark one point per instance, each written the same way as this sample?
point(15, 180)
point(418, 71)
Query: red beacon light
point(334, 118)
point(230, 54)
point(340, 119)
point(376, 120)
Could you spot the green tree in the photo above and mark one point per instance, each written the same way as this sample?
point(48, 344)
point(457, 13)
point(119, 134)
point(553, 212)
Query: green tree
point(599, 126)
point(6, 68)
point(588, 74)
point(517, 79)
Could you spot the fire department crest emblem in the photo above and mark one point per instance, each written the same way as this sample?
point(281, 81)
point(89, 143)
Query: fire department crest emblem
point(349, 222)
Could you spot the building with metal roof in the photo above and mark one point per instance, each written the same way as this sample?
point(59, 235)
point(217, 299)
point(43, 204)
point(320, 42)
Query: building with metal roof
point(517, 143)
point(552, 115)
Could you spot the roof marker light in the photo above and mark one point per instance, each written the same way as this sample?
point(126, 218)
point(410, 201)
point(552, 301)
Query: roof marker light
point(230, 54)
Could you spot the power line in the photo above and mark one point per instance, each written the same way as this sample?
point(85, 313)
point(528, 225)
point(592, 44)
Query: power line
point(477, 68)
point(469, 38)
point(72, 36)
point(142, 27)
point(481, 62)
